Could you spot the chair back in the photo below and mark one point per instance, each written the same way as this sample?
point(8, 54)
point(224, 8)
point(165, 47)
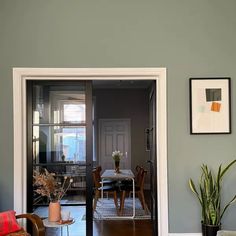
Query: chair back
point(139, 171)
point(137, 168)
point(99, 168)
point(142, 179)
point(96, 178)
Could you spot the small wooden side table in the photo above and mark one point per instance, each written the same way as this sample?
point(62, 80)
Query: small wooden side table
point(50, 224)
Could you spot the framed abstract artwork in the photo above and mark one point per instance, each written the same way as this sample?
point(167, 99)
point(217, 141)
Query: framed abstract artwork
point(210, 106)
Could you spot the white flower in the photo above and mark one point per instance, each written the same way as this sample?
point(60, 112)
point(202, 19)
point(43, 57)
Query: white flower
point(117, 155)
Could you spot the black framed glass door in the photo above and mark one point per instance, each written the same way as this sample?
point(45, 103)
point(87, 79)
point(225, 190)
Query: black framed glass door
point(60, 134)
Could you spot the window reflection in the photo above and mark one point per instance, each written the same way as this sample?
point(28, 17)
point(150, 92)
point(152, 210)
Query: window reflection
point(69, 144)
point(59, 136)
point(74, 112)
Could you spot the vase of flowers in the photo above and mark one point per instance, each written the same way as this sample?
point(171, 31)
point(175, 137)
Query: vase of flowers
point(54, 211)
point(47, 185)
point(117, 155)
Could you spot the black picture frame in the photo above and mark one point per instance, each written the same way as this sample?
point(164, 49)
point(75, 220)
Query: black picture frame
point(210, 105)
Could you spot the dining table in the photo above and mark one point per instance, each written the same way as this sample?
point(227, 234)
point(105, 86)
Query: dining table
point(123, 174)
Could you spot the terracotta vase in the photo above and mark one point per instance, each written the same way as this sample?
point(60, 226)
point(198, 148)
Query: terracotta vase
point(117, 166)
point(54, 211)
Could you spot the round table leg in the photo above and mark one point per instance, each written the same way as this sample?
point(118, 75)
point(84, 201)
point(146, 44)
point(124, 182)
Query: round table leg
point(67, 230)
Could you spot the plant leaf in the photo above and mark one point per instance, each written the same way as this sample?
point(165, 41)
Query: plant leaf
point(194, 190)
point(231, 202)
point(209, 194)
point(226, 168)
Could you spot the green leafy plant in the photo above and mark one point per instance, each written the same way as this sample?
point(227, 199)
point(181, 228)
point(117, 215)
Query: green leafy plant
point(209, 194)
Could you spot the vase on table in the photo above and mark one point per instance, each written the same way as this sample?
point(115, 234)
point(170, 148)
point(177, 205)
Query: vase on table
point(117, 166)
point(54, 211)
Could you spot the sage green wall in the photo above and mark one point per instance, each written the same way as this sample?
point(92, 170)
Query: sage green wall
point(191, 38)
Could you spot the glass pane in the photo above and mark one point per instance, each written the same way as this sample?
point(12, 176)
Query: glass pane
point(59, 138)
point(62, 150)
point(74, 112)
point(68, 179)
point(59, 144)
point(58, 104)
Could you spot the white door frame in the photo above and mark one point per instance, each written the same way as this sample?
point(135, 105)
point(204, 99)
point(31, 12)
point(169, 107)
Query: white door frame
point(21, 75)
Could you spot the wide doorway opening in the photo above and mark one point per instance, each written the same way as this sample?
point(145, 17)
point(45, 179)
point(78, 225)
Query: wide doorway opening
point(108, 104)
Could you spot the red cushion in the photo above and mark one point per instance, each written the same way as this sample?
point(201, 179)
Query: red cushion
point(8, 223)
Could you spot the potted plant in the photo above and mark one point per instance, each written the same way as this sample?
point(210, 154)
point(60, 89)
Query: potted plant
point(209, 197)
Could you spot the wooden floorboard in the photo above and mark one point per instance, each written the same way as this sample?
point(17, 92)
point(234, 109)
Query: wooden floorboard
point(108, 228)
point(141, 227)
point(123, 228)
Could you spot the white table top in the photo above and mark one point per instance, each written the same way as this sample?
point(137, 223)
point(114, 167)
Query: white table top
point(124, 174)
point(48, 223)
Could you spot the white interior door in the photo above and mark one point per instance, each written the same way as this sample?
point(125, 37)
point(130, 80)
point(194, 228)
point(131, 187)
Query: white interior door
point(114, 134)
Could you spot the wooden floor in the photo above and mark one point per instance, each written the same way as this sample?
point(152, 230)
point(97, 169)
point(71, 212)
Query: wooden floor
point(140, 227)
point(123, 228)
point(107, 228)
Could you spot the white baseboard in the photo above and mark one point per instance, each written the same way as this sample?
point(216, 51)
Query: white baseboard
point(185, 234)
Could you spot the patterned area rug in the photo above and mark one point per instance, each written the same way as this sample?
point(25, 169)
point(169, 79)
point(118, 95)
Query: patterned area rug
point(106, 210)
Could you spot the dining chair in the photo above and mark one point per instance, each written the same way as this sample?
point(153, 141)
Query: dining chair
point(104, 181)
point(139, 190)
point(107, 188)
point(138, 173)
point(9, 224)
point(36, 221)
point(138, 170)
